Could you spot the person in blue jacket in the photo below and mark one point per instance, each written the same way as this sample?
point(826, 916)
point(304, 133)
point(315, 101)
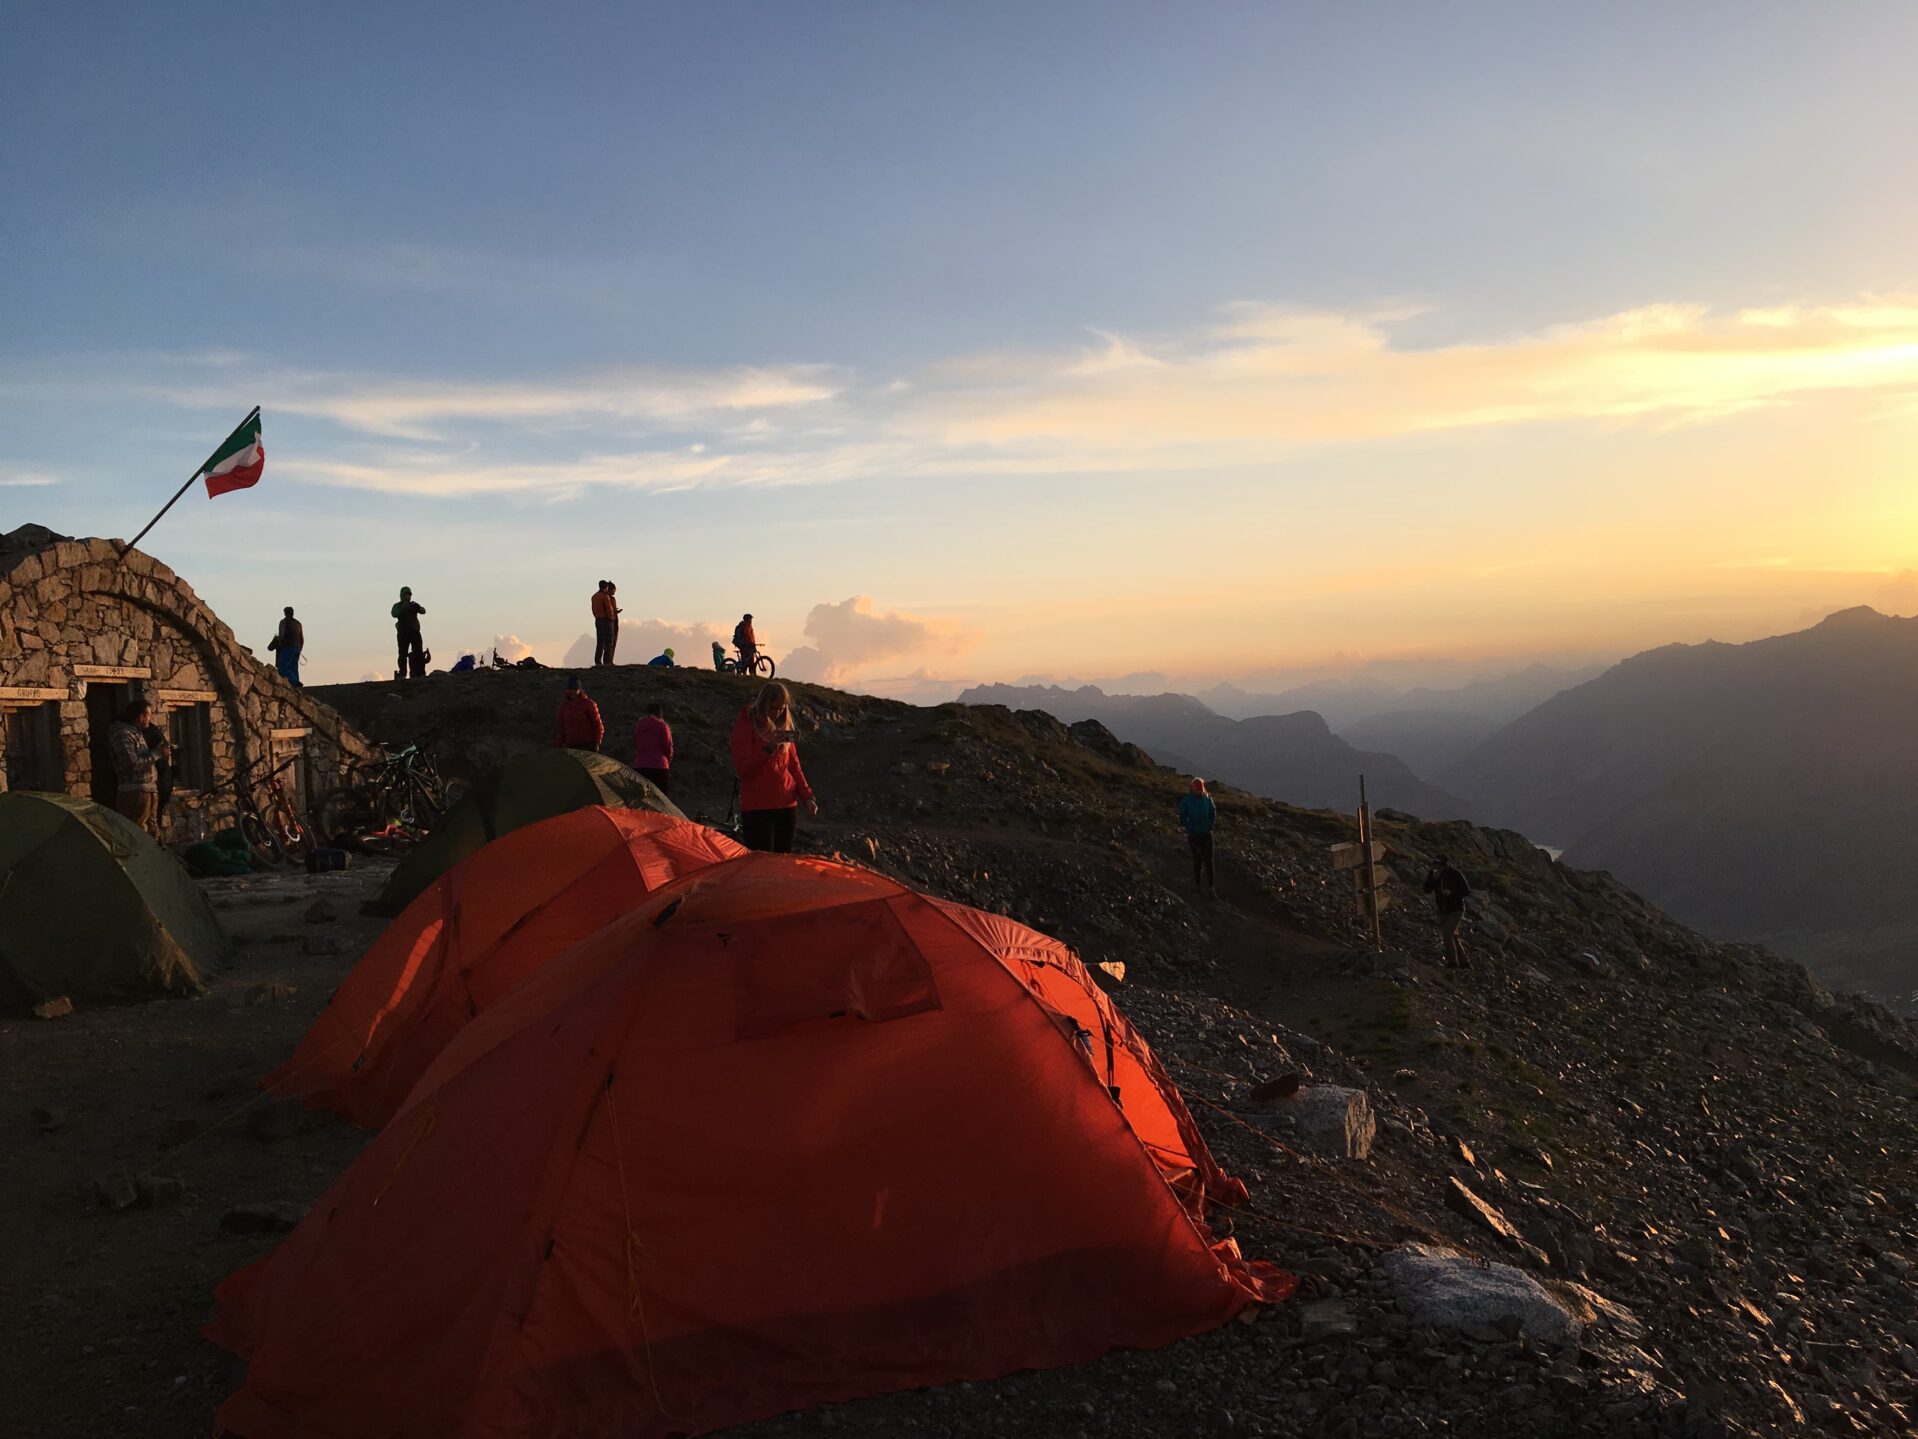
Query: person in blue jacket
point(661, 661)
point(1196, 813)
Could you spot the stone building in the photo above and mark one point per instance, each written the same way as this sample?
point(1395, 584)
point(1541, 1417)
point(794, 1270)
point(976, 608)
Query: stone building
point(86, 625)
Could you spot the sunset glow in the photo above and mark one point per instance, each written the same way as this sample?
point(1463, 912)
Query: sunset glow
point(1461, 374)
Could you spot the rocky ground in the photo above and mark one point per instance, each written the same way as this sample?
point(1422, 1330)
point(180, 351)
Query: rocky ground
point(1681, 1173)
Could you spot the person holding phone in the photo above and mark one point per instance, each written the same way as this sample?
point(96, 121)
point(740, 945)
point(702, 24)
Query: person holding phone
point(772, 786)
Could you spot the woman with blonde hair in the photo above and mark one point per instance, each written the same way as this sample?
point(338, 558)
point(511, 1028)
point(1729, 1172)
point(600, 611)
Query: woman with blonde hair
point(772, 786)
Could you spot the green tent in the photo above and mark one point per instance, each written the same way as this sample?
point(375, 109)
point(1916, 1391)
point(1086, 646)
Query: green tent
point(92, 908)
point(533, 787)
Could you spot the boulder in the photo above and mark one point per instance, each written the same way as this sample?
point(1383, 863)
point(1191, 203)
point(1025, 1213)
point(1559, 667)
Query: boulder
point(1329, 1119)
point(1450, 1290)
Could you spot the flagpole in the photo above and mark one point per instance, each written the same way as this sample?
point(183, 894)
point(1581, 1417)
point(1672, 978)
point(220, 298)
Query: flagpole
point(204, 467)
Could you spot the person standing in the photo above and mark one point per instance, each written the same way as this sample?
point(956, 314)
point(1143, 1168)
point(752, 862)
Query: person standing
point(612, 631)
point(602, 625)
point(136, 767)
point(406, 624)
point(653, 748)
point(747, 643)
point(162, 749)
point(578, 725)
point(772, 786)
point(287, 644)
point(1449, 892)
point(1197, 813)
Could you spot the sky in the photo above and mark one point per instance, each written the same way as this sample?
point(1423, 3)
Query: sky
point(974, 342)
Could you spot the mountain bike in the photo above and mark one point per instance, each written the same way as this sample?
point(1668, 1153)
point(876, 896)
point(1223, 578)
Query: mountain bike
point(402, 789)
point(273, 830)
point(735, 664)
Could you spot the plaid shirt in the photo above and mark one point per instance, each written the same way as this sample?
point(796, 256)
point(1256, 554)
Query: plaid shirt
point(133, 763)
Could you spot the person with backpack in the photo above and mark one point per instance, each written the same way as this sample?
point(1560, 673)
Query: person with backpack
point(772, 786)
point(747, 643)
point(653, 748)
point(286, 645)
point(1449, 892)
point(578, 724)
point(406, 625)
point(1197, 813)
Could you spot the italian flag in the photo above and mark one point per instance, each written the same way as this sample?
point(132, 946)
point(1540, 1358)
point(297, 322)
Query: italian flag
point(237, 464)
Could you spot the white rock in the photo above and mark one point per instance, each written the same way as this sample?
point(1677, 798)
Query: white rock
point(1450, 1290)
point(1331, 1120)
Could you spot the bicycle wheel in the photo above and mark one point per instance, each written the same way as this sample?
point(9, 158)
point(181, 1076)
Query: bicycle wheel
point(763, 665)
point(294, 837)
point(430, 796)
point(260, 838)
point(394, 802)
point(347, 810)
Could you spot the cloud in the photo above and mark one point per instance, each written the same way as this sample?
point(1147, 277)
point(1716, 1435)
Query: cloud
point(25, 479)
point(1251, 384)
point(1265, 379)
point(852, 635)
point(427, 410)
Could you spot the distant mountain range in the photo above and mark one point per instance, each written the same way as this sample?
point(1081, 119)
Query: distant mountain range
point(1291, 757)
point(1762, 791)
point(1344, 703)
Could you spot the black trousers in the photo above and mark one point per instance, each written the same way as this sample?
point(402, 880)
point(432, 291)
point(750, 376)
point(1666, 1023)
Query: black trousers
point(1202, 860)
point(602, 640)
point(412, 654)
point(769, 830)
point(661, 777)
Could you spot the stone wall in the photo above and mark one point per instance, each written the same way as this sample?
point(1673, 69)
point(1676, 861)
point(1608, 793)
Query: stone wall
point(75, 613)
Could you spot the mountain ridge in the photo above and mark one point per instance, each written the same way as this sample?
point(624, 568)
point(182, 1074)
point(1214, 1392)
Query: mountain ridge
point(1294, 757)
point(1759, 789)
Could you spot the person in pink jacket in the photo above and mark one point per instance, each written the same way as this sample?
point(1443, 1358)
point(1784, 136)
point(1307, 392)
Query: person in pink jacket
point(653, 748)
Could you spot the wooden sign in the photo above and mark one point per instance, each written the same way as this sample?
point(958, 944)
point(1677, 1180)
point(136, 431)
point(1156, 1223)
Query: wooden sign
point(1352, 856)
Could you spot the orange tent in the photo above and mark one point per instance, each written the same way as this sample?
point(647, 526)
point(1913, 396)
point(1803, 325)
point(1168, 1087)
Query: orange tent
point(472, 937)
point(787, 1133)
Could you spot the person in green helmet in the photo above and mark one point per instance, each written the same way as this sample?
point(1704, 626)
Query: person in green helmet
point(406, 623)
point(661, 661)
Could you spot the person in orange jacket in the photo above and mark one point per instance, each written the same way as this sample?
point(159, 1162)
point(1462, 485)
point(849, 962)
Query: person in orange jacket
point(772, 786)
point(578, 725)
point(605, 624)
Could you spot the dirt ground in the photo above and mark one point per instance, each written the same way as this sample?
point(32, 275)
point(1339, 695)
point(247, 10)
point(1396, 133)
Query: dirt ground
point(100, 1334)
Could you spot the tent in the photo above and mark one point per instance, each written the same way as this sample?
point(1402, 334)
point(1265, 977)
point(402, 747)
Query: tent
point(470, 939)
point(92, 908)
point(787, 1133)
point(533, 787)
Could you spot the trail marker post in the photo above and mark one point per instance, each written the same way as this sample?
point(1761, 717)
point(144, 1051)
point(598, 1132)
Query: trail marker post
point(1363, 860)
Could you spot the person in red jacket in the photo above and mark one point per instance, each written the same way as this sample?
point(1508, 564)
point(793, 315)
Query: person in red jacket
point(579, 725)
point(653, 748)
point(772, 786)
